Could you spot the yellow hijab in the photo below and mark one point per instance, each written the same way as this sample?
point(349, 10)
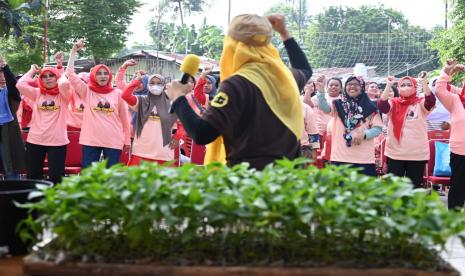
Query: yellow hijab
point(263, 67)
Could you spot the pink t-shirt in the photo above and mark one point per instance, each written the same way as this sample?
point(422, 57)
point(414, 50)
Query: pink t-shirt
point(453, 104)
point(150, 143)
point(75, 117)
point(413, 145)
point(309, 125)
point(105, 122)
point(323, 118)
point(356, 154)
point(49, 112)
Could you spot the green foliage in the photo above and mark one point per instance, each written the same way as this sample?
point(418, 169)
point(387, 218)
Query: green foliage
point(206, 41)
point(229, 216)
point(15, 15)
point(19, 55)
point(450, 43)
point(103, 24)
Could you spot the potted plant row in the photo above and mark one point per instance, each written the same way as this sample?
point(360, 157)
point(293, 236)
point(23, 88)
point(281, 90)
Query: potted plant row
point(285, 220)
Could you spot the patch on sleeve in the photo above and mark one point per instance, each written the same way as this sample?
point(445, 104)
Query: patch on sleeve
point(221, 99)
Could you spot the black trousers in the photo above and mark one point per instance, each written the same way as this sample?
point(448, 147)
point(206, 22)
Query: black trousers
point(411, 169)
point(456, 195)
point(35, 157)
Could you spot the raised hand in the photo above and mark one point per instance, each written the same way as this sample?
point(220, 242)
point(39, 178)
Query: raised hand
point(59, 57)
point(390, 80)
point(449, 66)
point(79, 45)
point(128, 63)
point(35, 68)
point(206, 70)
point(320, 83)
point(278, 23)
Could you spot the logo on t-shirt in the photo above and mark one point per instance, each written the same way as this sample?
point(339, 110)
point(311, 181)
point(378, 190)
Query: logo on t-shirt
point(410, 115)
point(80, 108)
point(153, 116)
point(49, 105)
point(104, 106)
point(221, 99)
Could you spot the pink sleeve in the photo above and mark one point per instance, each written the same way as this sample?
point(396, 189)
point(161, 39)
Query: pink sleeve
point(123, 115)
point(25, 88)
point(80, 87)
point(310, 121)
point(119, 79)
point(64, 87)
point(447, 98)
point(456, 90)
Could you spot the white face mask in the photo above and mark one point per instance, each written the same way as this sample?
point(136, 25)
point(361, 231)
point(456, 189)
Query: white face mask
point(156, 89)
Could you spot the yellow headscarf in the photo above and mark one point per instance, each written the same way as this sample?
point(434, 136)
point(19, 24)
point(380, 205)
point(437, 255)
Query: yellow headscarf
point(262, 66)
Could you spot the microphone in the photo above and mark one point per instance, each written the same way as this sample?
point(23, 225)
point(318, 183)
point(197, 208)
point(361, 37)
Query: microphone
point(189, 68)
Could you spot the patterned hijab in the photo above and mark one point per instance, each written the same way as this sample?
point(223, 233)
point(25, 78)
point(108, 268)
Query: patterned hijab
point(354, 111)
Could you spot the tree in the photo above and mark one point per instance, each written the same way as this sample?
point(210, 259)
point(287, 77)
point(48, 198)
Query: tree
point(297, 16)
point(210, 41)
point(206, 41)
point(103, 24)
point(19, 55)
point(14, 16)
point(450, 43)
point(352, 35)
point(188, 6)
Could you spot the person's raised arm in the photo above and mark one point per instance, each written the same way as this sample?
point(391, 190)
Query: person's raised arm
point(121, 74)
point(383, 103)
point(23, 83)
point(10, 80)
point(447, 98)
point(320, 95)
point(80, 87)
point(296, 56)
point(430, 99)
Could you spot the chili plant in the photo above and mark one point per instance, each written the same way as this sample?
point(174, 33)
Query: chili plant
point(215, 215)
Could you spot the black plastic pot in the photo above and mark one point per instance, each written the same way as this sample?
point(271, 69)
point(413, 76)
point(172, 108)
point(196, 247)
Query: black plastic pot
point(15, 191)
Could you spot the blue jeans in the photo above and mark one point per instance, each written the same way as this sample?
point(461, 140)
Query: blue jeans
point(92, 154)
point(8, 175)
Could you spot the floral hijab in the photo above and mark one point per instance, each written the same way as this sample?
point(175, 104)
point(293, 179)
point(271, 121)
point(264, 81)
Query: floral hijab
point(354, 111)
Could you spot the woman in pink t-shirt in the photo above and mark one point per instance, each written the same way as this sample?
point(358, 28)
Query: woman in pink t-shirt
point(356, 123)
point(76, 107)
point(47, 134)
point(455, 104)
point(105, 125)
point(333, 89)
point(407, 146)
point(152, 140)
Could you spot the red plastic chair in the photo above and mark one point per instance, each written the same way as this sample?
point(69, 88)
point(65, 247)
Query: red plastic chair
point(429, 177)
point(73, 153)
point(438, 134)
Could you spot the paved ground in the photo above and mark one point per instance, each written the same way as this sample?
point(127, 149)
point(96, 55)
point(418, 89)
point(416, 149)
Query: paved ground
point(455, 255)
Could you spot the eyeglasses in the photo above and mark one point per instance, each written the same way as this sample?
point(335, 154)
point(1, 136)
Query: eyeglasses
point(354, 84)
point(104, 73)
point(406, 85)
point(46, 76)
